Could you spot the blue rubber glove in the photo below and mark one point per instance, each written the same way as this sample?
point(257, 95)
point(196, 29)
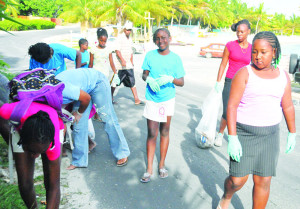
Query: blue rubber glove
point(234, 148)
point(116, 79)
point(164, 79)
point(291, 142)
point(218, 87)
point(153, 84)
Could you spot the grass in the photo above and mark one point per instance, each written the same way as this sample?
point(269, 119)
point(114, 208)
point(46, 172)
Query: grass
point(9, 193)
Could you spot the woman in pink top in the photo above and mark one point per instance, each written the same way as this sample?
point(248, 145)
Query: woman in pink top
point(238, 54)
point(38, 134)
point(260, 93)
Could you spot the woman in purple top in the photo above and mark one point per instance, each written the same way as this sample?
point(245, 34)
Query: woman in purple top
point(238, 53)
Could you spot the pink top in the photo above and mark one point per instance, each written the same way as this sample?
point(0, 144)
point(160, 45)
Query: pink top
point(261, 101)
point(54, 153)
point(238, 57)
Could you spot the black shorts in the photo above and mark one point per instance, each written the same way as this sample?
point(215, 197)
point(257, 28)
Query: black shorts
point(127, 78)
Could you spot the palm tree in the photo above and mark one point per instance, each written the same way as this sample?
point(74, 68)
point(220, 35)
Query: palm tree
point(79, 11)
point(294, 23)
point(259, 16)
point(12, 8)
point(118, 11)
point(279, 23)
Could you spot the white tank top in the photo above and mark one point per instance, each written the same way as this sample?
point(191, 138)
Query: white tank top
point(261, 101)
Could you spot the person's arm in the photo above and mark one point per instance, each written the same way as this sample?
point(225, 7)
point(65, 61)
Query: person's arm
point(145, 74)
point(119, 55)
point(288, 107)
point(84, 99)
point(78, 59)
point(91, 60)
point(4, 127)
point(131, 59)
point(237, 89)
point(112, 64)
point(223, 64)
point(52, 181)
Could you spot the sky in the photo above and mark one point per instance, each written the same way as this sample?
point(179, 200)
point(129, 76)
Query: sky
point(286, 7)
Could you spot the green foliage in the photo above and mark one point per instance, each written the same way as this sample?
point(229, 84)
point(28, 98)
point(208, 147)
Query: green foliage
point(42, 8)
point(26, 25)
point(10, 196)
point(4, 69)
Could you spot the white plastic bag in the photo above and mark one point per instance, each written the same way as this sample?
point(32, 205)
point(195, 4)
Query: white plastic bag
point(206, 129)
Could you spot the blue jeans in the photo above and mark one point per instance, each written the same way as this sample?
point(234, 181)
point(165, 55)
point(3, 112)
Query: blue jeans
point(101, 98)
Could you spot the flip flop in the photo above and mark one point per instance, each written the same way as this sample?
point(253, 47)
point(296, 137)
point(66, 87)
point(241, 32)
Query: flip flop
point(163, 173)
point(122, 164)
point(141, 103)
point(146, 177)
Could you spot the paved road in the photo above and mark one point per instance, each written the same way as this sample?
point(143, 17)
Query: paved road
point(14, 48)
point(196, 175)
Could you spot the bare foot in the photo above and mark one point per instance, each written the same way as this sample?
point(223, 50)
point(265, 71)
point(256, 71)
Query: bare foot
point(122, 162)
point(92, 145)
point(71, 167)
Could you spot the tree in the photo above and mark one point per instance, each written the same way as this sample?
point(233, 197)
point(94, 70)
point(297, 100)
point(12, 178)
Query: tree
point(12, 8)
point(118, 11)
point(79, 11)
point(42, 8)
point(259, 16)
point(294, 23)
point(279, 23)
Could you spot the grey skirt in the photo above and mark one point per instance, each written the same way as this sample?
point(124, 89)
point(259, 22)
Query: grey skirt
point(260, 151)
point(225, 96)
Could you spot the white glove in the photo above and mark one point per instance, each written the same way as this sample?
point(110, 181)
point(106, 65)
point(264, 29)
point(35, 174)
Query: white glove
point(116, 79)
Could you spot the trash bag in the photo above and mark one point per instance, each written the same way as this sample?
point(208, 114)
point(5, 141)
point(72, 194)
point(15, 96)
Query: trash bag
point(206, 129)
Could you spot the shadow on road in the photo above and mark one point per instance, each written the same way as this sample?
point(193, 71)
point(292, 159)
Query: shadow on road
point(210, 172)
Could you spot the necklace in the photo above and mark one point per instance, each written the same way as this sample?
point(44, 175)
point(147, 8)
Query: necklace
point(244, 51)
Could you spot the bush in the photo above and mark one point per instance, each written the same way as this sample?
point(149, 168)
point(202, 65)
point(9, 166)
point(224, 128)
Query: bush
point(27, 25)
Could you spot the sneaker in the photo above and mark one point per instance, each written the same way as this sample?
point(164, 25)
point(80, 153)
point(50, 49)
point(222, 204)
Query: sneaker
point(218, 140)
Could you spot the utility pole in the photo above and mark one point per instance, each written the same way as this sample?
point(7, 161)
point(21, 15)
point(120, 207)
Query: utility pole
point(147, 17)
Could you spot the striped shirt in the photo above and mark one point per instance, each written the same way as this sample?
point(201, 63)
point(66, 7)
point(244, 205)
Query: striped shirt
point(124, 45)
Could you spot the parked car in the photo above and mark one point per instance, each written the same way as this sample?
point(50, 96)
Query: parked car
point(294, 67)
point(212, 50)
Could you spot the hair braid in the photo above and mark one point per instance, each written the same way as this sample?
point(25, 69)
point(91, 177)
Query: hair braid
point(273, 40)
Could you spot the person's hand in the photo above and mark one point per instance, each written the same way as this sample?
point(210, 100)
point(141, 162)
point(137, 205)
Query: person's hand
point(234, 148)
point(77, 116)
point(153, 84)
point(123, 63)
point(116, 79)
point(218, 87)
point(291, 142)
point(164, 79)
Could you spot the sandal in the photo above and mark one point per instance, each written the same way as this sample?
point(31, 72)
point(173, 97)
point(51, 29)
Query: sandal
point(163, 173)
point(146, 177)
point(141, 103)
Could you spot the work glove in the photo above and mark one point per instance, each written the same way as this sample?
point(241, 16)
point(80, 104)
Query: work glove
point(291, 142)
point(164, 79)
point(153, 84)
point(218, 87)
point(116, 79)
point(234, 149)
point(77, 115)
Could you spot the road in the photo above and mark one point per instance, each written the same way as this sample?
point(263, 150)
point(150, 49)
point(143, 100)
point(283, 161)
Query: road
point(196, 176)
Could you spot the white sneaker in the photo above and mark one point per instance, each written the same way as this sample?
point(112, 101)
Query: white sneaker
point(218, 140)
